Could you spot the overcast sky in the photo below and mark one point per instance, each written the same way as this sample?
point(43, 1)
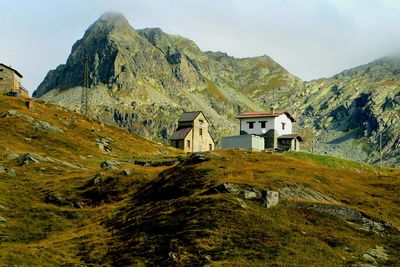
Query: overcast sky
point(310, 38)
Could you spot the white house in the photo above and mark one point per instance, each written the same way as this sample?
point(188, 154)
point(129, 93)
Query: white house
point(259, 123)
point(275, 127)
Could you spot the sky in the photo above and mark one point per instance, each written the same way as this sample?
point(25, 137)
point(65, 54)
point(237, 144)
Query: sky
point(310, 38)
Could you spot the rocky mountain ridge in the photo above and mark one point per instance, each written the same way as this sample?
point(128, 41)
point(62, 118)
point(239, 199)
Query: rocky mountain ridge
point(142, 80)
point(352, 110)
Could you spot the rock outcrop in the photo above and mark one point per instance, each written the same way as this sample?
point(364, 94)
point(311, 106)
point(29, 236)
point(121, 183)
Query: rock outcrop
point(142, 80)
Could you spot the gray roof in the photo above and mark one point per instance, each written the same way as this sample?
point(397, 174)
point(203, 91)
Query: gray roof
point(290, 136)
point(189, 116)
point(180, 134)
point(14, 70)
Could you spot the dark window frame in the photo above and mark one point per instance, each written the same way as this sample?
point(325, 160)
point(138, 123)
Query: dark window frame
point(263, 124)
point(283, 125)
point(188, 143)
point(201, 132)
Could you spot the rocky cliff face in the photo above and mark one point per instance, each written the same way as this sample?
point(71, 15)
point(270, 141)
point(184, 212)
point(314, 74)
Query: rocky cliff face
point(350, 111)
point(142, 80)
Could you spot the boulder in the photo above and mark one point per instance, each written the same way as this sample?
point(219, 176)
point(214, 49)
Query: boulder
point(30, 158)
point(45, 126)
point(368, 259)
point(12, 156)
point(378, 253)
point(270, 198)
point(103, 144)
point(109, 164)
point(126, 172)
point(11, 112)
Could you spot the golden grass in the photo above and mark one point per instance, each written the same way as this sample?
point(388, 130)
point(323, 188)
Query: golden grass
point(157, 210)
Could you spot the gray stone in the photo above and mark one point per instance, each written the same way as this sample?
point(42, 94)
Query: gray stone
point(368, 258)
point(299, 191)
point(30, 158)
point(231, 188)
point(109, 164)
point(12, 112)
point(103, 144)
point(378, 253)
point(79, 205)
point(12, 156)
point(45, 126)
point(126, 172)
point(271, 198)
point(248, 194)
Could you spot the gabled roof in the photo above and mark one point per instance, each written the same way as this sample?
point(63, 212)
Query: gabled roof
point(191, 116)
point(290, 136)
point(263, 114)
point(8, 67)
point(180, 134)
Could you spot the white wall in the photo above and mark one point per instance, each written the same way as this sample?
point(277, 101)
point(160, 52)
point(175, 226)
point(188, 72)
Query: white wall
point(244, 126)
point(272, 123)
point(278, 124)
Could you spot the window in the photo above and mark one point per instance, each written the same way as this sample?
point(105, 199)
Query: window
point(263, 123)
point(1, 78)
point(188, 143)
point(251, 124)
point(1, 69)
point(283, 125)
point(201, 132)
point(201, 122)
point(210, 147)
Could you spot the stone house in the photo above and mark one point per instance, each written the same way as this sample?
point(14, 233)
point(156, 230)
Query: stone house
point(275, 127)
point(192, 134)
point(10, 81)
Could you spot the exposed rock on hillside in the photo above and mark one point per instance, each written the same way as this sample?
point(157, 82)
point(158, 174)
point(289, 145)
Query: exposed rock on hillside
point(349, 111)
point(143, 80)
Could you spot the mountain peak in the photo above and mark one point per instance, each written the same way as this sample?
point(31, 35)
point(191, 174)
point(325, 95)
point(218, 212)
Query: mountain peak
point(110, 21)
point(112, 16)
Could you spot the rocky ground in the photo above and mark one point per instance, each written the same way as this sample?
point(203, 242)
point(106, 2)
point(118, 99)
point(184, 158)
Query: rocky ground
point(76, 192)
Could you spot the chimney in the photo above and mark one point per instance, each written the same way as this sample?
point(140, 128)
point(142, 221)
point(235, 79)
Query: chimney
point(272, 110)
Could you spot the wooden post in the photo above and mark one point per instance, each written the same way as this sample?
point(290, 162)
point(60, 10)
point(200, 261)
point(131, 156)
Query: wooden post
point(28, 103)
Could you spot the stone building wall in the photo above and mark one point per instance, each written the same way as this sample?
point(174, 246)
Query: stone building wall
point(10, 82)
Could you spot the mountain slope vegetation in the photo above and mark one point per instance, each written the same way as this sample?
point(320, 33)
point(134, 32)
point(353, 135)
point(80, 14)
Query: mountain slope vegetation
point(142, 80)
point(76, 192)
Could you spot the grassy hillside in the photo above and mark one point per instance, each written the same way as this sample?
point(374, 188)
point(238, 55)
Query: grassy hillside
point(156, 206)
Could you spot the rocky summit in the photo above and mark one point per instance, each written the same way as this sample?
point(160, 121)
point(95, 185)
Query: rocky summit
point(143, 80)
point(355, 111)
